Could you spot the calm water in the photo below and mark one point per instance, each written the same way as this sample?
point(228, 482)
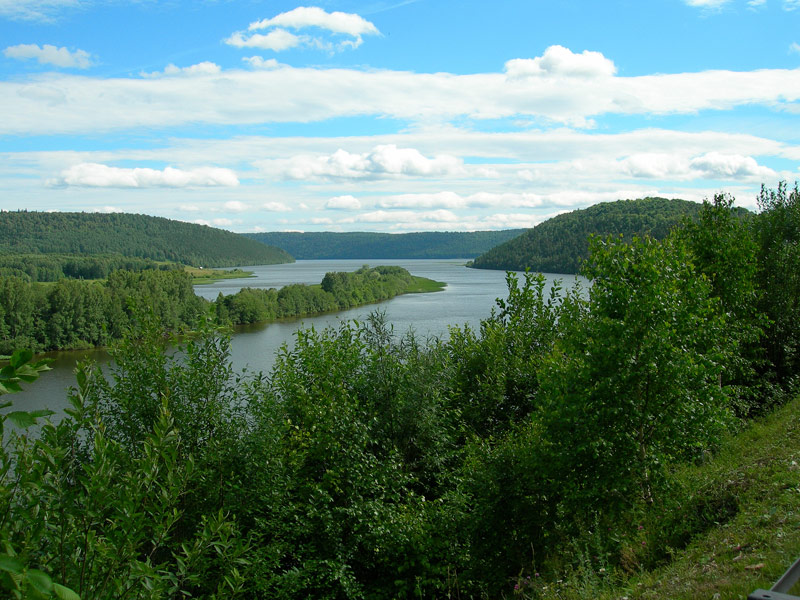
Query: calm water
point(469, 297)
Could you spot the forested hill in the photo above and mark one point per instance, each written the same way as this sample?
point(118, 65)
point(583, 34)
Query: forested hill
point(559, 244)
point(435, 244)
point(136, 236)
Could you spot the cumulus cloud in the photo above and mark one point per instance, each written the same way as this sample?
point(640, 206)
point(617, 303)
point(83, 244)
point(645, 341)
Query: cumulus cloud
point(791, 5)
point(343, 203)
point(278, 38)
point(275, 206)
point(382, 161)
point(99, 175)
point(235, 206)
point(258, 62)
point(558, 61)
point(715, 165)
point(655, 165)
point(794, 47)
point(50, 55)
point(711, 165)
point(200, 69)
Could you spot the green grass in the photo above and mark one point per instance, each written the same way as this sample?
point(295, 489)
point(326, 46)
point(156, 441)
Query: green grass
point(423, 285)
point(205, 276)
point(756, 476)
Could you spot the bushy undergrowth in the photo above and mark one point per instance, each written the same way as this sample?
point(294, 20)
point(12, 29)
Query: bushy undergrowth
point(569, 445)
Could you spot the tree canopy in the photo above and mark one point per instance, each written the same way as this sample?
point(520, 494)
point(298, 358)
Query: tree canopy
point(558, 245)
point(131, 236)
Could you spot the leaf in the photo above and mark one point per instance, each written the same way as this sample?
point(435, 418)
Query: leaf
point(64, 593)
point(20, 357)
point(40, 581)
point(21, 419)
point(42, 412)
point(10, 564)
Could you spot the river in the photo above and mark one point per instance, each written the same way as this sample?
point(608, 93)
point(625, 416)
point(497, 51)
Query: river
point(468, 298)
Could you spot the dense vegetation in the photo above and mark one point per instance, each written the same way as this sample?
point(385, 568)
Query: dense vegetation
point(130, 236)
point(52, 267)
point(560, 244)
point(549, 452)
point(434, 244)
point(72, 314)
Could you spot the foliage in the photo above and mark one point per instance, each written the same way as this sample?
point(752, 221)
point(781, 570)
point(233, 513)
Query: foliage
point(134, 237)
point(574, 440)
point(558, 245)
point(366, 245)
point(777, 229)
point(634, 385)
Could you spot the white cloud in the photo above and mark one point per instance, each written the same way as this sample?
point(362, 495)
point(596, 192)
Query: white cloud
point(303, 17)
point(258, 62)
point(276, 40)
point(63, 103)
point(455, 201)
point(50, 55)
point(221, 222)
point(559, 61)
point(99, 175)
point(712, 4)
point(235, 206)
point(200, 69)
point(383, 160)
point(655, 165)
point(34, 10)
point(346, 202)
point(791, 4)
point(794, 47)
point(275, 207)
point(715, 165)
point(756, 3)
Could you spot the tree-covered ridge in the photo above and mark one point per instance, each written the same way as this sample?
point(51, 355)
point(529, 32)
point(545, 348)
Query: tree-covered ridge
point(558, 245)
point(72, 314)
point(434, 244)
point(132, 236)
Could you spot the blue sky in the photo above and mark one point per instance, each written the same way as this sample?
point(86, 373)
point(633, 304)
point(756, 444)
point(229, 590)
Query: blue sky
point(392, 115)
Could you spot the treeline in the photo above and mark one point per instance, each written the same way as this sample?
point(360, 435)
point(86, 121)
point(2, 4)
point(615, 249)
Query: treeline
point(130, 236)
point(366, 245)
point(73, 314)
point(52, 267)
point(560, 244)
point(541, 447)
point(338, 291)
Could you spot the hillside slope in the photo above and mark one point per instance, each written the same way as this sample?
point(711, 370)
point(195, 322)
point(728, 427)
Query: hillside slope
point(136, 236)
point(559, 244)
point(434, 244)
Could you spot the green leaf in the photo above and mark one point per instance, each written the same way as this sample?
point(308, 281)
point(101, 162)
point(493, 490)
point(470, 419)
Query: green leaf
point(64, 593)
point(42, 412)
point(21, 419)
point(40, 581)
point(20, 357)
point(10, 564)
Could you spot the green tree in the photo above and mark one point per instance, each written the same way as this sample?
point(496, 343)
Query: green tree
point(634, 385)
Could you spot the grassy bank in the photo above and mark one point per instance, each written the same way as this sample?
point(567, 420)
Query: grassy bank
point(206, 276)
point(423, 285)
point(749, 497)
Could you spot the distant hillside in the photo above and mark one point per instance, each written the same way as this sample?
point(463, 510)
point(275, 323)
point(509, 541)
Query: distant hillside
point(327, 245)
point(135, 236)
point(559, 244)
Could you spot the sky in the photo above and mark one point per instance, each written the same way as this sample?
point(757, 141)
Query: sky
point(392, 115)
